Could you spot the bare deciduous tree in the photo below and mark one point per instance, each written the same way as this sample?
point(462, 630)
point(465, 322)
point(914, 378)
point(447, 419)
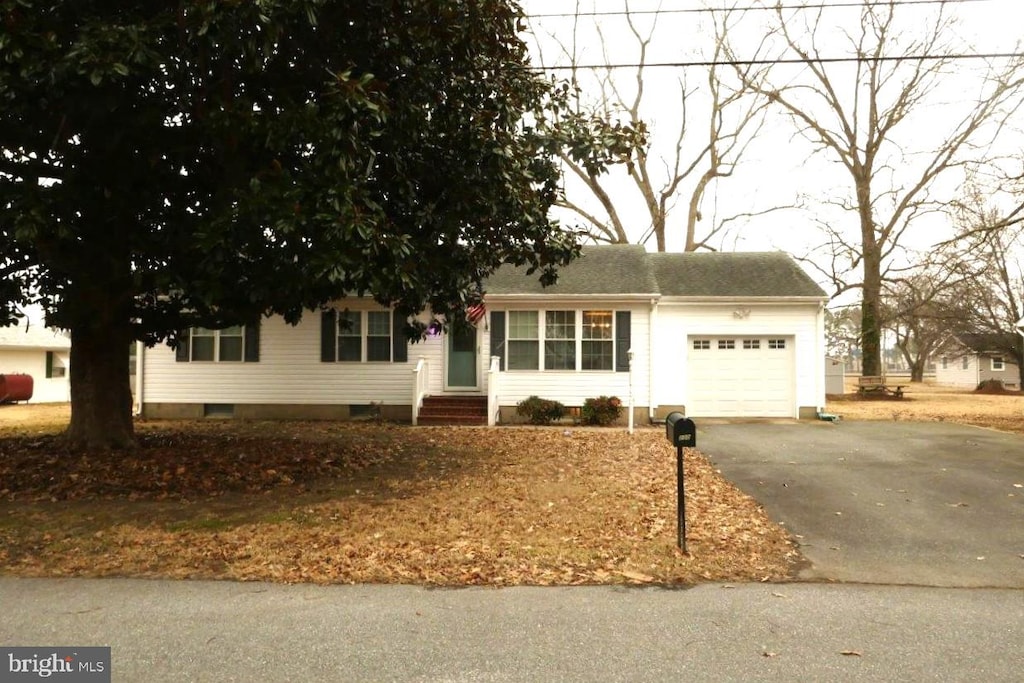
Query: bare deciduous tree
point(917, 311)
point(676, 160)
point(991, 302)
point(867, 111)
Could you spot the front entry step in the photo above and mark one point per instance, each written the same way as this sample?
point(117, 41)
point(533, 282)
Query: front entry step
point(453, 410)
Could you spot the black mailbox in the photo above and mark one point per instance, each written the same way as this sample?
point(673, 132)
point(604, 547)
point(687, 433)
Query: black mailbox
point(680, 430)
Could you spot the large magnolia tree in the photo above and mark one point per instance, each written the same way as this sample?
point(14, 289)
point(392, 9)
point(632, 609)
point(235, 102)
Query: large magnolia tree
point(165, 164)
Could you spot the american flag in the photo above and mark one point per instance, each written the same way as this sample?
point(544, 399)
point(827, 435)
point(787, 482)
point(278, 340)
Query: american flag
point(475, 312)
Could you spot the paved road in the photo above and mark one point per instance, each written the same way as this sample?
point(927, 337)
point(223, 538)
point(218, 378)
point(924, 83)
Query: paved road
point(930, 504)
point(223, 631)
point(919, 504)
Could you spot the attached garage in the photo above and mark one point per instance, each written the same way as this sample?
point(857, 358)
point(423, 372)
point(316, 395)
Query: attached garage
point(741, 375)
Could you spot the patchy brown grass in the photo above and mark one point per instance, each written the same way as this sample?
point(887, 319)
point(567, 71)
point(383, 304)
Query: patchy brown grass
point(930, 403)
point(339, 503)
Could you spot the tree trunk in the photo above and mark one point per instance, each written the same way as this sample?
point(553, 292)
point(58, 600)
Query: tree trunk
point(101, 398)
point(917, 370)
point(871, 305)
point(871, 337)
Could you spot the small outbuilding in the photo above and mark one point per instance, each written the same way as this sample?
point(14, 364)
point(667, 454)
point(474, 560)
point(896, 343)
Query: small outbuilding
point(43, 354)
point(971, 359)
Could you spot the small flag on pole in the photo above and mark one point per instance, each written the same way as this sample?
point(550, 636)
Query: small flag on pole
point(475, 312)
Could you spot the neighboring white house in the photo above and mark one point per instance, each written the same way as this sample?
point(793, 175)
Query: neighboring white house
point(970, 359)
point(708, 334)
point(41, 353)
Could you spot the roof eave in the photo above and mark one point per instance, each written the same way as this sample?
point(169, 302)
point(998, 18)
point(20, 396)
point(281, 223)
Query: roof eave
point(545, 296)
point(727, 299)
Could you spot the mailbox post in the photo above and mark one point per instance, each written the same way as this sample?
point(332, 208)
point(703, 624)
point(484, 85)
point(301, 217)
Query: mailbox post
point(681, 433)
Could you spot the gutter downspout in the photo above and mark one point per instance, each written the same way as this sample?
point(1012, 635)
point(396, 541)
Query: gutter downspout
point(651, 360)
point(820, 379)
point(140, 373)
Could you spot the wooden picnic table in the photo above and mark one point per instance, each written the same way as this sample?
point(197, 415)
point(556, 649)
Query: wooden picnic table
point(870, 384)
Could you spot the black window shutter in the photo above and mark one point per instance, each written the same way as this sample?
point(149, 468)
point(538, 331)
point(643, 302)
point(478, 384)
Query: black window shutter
point(181, 352)
point(622, 343)
point(498, 336)
point(328, 336)
point(49, 364)
point(399, 344)
point(252, 342)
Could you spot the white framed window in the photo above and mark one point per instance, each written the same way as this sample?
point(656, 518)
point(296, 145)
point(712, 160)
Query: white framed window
point(55, 365)
point(997, 364)
point(223, 346)
point(577, 340)
point(350, 336)
point(965, 362)
point(776, 343)
point(597, 348)
point(560, 340)
point(726, 344)
point(364, 336)
point(945, 363)
point(378, 336)
point(523, 340)
point(701, 344)
point(751, 344)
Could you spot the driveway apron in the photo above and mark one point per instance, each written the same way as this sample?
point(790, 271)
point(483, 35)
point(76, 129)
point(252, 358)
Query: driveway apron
point(932, 504)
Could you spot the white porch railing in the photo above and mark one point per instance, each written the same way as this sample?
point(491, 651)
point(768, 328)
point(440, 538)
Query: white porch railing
point(420, 377)
point(493, 377)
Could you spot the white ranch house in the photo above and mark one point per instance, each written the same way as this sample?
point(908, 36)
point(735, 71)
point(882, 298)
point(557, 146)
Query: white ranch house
point(43, 354)
point(707, 334)
point(971, 359)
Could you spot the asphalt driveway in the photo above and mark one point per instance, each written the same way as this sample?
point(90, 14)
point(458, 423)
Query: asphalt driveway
point(931, 504)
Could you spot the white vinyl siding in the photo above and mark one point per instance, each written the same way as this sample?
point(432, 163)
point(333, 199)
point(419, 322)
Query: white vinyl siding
point(790, 331)
point(289, 372)
point(954, 373)
point(573, 388)
point(32, 362)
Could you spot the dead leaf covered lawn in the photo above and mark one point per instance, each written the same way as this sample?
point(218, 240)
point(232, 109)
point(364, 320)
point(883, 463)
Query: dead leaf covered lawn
point(339, 503)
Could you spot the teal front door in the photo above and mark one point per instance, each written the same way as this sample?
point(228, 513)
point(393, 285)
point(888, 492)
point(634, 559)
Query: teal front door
point(462, 363)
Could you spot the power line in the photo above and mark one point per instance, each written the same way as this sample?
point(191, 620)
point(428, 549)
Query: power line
point(795, 60)
point(749, 8)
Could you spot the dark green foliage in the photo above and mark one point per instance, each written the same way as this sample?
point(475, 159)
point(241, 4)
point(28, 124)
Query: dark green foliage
point(602, 410)
point(165, 164)
point(540, 411)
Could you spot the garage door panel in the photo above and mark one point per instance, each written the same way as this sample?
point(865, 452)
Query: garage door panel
point(753, 378)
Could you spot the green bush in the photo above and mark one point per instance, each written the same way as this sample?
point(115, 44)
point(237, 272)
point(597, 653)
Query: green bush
point(540, 411)
point(602, 410)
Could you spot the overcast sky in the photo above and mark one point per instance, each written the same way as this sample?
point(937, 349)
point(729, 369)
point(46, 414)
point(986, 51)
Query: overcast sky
point(779, 166)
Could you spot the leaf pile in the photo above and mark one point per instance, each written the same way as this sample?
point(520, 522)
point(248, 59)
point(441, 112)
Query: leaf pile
point(184, 462)
point(383, 504)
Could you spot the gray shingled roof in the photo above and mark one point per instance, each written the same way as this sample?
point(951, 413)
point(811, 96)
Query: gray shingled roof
point(33, 336)
point(600, 269)
point(982, 343)
point(736, 274)
point(628, 269)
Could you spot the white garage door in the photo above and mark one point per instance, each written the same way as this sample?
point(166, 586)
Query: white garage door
point(740, 376)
